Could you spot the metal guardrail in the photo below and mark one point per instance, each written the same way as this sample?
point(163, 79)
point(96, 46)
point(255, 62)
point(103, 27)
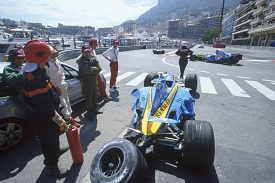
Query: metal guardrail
point(70, 54)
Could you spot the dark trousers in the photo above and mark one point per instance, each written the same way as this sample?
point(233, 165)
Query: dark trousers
point(48, 133)
point(182, 63)
point(91, 101)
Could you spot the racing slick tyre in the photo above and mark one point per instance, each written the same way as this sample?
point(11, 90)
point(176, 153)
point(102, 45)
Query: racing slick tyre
point(192, 57)
point(150, 77)
point(118, 160)
point(154, 51)
point(191, 81)
point(199, 145)
point(12, 133)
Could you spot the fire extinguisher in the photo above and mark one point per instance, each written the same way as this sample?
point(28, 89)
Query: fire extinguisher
point(74, 144)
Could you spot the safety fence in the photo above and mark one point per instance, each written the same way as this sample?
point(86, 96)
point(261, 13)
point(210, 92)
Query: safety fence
point(70, 54)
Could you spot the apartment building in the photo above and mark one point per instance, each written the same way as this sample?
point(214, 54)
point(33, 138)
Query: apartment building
point(262, 29)
point(228, 23)
point(240, 34)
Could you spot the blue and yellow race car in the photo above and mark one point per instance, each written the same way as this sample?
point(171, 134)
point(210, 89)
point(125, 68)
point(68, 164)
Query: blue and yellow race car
point(163, 116)
point(218, 57)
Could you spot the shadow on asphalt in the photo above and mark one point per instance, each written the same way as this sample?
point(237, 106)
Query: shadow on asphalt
point(169, 168)
point(13, 162)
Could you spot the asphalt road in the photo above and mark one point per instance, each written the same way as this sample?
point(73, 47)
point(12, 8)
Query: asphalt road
point(237, 100)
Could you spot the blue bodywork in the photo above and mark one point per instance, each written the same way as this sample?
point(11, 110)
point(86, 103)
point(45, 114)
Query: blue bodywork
point(182, 105)
point(218, 57)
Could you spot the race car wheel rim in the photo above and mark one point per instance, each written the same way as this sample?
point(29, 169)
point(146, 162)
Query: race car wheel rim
point(111, 162)
point(10, 135)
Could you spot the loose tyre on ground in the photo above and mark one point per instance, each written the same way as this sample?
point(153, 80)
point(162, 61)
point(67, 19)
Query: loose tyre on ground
point(12, 133)
point(191, 81)
point(150, 77)
point(199, 145)
point(118, 160)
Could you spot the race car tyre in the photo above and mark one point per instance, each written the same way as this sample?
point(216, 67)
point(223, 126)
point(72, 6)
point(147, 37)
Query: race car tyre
point(163, 51)
point(199, 145)
point(192, 57)
point(191, 81)
point(150, 77)
point(12, 133)
point(118, 160)
point(154, 51)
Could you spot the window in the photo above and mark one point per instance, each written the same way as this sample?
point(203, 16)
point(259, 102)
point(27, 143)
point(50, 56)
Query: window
point(69, 73)
point(3, 48)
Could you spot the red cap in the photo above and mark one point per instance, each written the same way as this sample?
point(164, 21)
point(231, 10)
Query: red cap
point(116, 41)
point(93, 41)
point(86, 48)
point(16, 53)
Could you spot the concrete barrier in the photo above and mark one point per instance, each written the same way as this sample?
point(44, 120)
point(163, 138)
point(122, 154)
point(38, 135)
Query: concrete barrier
point(70, 54)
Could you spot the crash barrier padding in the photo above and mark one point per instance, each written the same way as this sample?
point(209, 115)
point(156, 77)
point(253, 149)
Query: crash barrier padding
point(70, 54)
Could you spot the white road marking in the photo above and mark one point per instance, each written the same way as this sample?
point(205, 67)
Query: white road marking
point(123, 76)
point(109, 74)
point(234, 88)
point(163, 60)
point(248, 60)
point(190, 69)
point(137, 80)
point(243, 77)
point(207, 85)
point(205, 72)
point(222, 74)
point(262, 89)
point(268, 80)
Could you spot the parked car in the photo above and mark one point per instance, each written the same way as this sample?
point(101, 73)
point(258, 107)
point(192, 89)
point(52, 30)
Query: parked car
point(163, 115)
point(14, 117)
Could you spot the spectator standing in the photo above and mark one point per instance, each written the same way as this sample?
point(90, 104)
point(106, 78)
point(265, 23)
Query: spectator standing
point(183, 52)
point(43, 99)
point(93, 44)
point(112, 56)
point(55, 72)
point(88, 68)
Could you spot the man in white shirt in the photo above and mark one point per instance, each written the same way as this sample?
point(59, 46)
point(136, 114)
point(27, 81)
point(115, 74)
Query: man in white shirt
point(55, 71)
point(112, 56)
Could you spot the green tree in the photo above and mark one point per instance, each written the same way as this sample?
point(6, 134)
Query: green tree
point(210, 35)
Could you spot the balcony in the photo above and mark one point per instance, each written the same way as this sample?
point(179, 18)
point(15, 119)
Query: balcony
point(261, 29)
point(258, 11)
point(271, 4)
point(241, 31)
point(243, 23)
point(243, 16)
point(270, 16)
point(255, 21)
point(260, 2)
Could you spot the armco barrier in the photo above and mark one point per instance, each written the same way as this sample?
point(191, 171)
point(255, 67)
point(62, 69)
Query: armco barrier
point(70, 54)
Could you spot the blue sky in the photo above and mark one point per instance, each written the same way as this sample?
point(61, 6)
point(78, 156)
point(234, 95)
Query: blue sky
point(96, 13)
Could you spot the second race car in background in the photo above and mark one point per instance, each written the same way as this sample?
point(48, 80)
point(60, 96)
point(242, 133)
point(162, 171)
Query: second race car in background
point(218, 57)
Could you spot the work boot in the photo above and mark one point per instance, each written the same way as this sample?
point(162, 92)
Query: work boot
point(98, 112)
point(62, 150)
point(74, 122)
point(57, 172)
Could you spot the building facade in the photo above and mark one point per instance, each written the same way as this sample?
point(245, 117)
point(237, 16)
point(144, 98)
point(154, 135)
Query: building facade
point(240, 34)
point(262, 30)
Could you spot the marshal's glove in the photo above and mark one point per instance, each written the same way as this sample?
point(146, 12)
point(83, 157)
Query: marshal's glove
point(62, 124)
